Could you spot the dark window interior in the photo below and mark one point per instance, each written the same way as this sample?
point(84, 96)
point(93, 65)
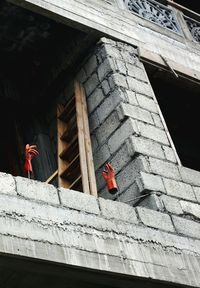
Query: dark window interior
point(38, 56)
point(179, 100)
point(190, 4)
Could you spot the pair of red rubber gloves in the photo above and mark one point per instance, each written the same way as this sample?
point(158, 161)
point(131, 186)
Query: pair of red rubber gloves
point(108, 174)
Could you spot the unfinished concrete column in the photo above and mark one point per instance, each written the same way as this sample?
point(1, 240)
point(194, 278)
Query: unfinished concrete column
point(126, 127)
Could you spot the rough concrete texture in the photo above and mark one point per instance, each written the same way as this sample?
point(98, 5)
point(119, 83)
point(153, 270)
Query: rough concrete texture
point(78, 201)
point(108, 236)
point(129, 132)
point(155, 219)
point(7, 184)
point(152, 202)
point(36, 190)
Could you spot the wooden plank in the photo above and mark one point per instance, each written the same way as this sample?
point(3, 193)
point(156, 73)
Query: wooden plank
point(69, 152)
point(75, 182)
point(70, 166)
point(88, 146)
point(52, 177)
point(81, 138)
point(61, 126)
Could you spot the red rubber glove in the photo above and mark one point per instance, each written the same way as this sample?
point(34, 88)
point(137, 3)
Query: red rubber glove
point(30, 153)
point(109, 176)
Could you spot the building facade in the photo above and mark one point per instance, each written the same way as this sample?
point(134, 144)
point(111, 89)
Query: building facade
point(138, 63)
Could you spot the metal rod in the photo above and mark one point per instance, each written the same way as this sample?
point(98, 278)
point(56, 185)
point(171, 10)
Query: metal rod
point(136, 198)
point(167, 63)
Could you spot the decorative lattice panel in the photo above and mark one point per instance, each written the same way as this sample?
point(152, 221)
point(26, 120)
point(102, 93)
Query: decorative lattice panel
point(154, 12)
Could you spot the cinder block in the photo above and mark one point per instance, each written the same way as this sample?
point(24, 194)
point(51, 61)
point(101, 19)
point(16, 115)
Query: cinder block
point(99, 179)
point(105, 87)
point(106, 68)
point(139, 87)
point(93, 121)
point(157, 120)
point(130, 57)
point(130, 196)
point(37, 190)
point(146, 103)
point(153, 133)
point(120, 211)
point(145, 146)
point(136, 72)
point(197, 193)
point(152, 201)
point(131, 97)
point(94, 142)
point(155, 219)
point(132, 50)
point(149, 182)
point(190, 176)
point(91, 65)
point(108, 50)
point(91, 84)
point(186, 227)
point(128, 175)
point(121, 67)
point(94, 100)
point(7, 184)
point(190, 208)
point(79, 201)
point(164, 168)
point(169, 154)
point(127, 110)
point(121, 134)
point(101, 156)
point(172, 205)
point(117, 80)
point(107, 106)
point(121, 158)
point(179, 189)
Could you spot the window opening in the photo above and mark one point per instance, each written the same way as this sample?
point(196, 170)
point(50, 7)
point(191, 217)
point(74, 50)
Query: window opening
point(179, 101)
point(38, 57)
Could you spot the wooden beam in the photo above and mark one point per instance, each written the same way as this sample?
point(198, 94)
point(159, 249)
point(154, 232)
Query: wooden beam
point(81, 138)
point(88, 146)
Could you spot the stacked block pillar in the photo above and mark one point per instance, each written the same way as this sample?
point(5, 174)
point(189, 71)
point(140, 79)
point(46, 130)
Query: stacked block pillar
point(127, 130)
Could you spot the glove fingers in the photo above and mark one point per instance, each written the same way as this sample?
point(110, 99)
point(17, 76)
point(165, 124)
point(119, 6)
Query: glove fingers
point(33, 146)
point(35, 152)
point(110, 167)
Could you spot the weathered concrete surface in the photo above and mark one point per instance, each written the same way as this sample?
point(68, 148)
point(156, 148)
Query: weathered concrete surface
point(109, 19)
point(114, 238)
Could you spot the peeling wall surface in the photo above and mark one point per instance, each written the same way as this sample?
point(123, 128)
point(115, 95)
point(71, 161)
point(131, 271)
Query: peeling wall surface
point(63, 226)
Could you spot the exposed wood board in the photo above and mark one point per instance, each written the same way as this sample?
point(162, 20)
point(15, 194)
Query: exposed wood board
point(88, 146)
point(52, 177)
point(61, 126)
point(81, 139)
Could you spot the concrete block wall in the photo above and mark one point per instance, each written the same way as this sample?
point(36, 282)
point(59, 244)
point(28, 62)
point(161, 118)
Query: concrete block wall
point(127, 130)
point(40, 221)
